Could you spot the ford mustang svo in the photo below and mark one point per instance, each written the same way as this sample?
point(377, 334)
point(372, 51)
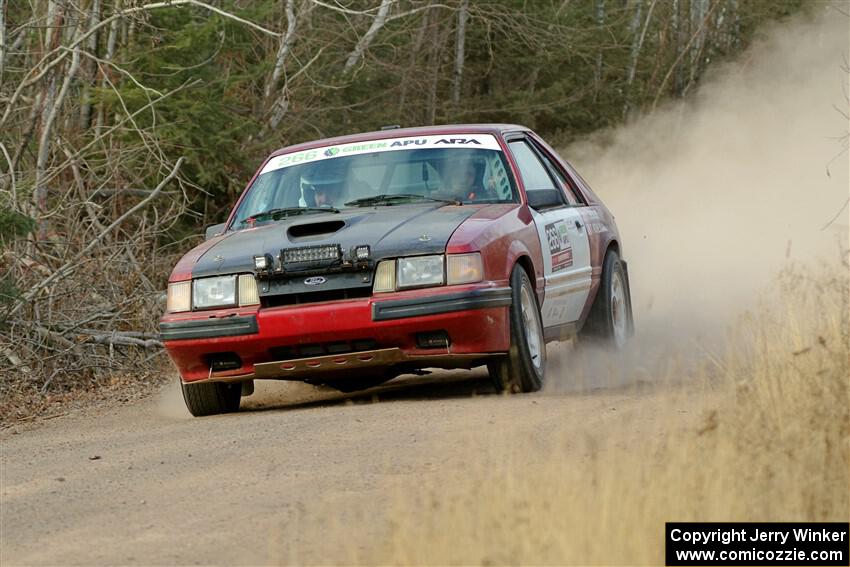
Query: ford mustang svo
point(352, 260)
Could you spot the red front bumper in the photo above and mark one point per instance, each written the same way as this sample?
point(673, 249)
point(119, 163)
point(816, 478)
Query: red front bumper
point(474, 317)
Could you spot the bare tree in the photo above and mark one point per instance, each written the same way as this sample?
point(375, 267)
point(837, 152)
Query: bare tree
point(285, 46)
point(363, 44)
point(2, 39)
point(637, 44)
point(600, 22)
point(90, 66)
point(460, 42)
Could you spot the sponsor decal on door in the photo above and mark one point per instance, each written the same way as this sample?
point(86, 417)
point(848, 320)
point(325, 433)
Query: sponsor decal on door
point(560, 248)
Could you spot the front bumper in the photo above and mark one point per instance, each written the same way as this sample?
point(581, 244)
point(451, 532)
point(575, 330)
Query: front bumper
point(474, 317)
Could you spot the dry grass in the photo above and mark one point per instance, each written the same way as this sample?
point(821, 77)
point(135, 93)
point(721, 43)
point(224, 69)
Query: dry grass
point(770, 444)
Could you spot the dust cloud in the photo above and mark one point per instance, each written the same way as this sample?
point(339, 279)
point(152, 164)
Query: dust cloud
point(714, 195)
point(169, 403)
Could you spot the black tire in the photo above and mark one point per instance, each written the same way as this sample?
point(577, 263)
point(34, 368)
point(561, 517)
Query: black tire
point(610, 321)
point(210, 398)
point(523, 369)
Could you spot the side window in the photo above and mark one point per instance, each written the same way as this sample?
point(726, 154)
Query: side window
point(569, 192)
point(533, 172)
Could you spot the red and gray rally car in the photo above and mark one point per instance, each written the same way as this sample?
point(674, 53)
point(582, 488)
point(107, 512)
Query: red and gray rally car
point(352, 260)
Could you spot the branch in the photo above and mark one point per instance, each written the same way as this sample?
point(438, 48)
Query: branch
point(40, 195)
point(838, 214)
point(70, 265)
point(349, 11)
point(13, 200)
point(116, 338)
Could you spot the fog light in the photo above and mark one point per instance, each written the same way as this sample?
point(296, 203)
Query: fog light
point(179, 297)
point(433, 339)
point(224, 361)
point(311, 254)
point(262, 263)
point(361, 252)
point(385, 277)
point(248, 294)
point(464, 268)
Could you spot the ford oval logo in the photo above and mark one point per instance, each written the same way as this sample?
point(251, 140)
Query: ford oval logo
point(315, 280)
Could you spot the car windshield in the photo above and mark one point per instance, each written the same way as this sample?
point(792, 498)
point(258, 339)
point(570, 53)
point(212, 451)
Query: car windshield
point(459, 169)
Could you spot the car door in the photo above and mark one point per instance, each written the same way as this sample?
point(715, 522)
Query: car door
point(563, 238)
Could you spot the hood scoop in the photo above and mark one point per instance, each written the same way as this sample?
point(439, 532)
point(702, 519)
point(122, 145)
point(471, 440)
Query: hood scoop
point(314, 229)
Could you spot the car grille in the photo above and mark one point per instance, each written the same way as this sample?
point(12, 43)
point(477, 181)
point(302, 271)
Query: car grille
point(316, 296)
point(321, 349)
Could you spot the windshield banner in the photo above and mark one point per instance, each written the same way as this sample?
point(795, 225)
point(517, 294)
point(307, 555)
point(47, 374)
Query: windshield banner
point(466, 141)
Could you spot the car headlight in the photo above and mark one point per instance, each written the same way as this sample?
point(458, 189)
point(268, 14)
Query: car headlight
point(420, 271)
point(214, 292)
point(207, 293)
point(424, 271)
point(464, 268)
point(179, 297)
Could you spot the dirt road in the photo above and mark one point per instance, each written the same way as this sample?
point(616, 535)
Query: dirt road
point(296, 476)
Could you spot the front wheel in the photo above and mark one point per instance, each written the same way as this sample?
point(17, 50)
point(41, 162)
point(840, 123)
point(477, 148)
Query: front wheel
point(210, 398)
point(522, 370)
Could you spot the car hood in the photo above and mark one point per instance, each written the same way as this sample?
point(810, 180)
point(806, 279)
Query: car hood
point(390, 231)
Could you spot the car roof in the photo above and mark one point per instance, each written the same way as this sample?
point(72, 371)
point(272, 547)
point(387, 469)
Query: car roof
point(495, 129)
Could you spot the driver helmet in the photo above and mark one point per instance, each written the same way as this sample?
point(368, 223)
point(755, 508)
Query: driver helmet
point(463, 174)
point(323, 183)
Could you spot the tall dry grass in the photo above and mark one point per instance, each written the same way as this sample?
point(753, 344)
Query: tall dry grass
point(771, 443)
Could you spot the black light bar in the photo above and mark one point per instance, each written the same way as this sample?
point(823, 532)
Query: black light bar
point(310, 254)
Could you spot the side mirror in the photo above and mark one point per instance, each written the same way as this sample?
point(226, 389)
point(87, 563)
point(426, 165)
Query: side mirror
point(544, 199)
point(214, 230)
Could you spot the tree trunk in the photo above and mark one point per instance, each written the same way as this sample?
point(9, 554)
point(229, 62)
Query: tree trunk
point(283, 50)
point(111, 42)
point(637, 38)
point(434, 66)
point(736, 26)
point(2, 39)
point(637, 44)
point(363, 44)
point(699, 9)
point(414, 52)
point(597, 75)
point(90, 68)
point(678, 42)
point(462, 16)
point(45, 140)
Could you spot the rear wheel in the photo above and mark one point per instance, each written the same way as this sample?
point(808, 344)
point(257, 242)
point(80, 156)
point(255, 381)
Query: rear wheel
point(610, 319)
point(210, 398)
point(522, 370)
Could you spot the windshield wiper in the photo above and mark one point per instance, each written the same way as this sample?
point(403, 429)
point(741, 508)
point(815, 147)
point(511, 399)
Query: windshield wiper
point(393, 199)
point(288, 212)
